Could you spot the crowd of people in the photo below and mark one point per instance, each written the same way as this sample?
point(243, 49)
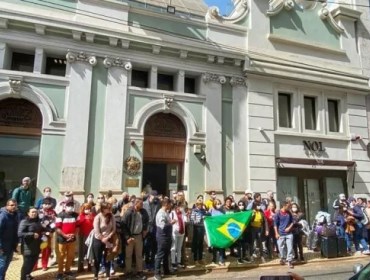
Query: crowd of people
point(149, 232)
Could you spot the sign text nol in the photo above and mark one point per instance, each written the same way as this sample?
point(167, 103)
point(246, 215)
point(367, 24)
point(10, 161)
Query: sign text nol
point(313, 146)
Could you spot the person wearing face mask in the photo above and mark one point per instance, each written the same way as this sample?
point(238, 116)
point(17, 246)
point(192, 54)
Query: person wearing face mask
point(66, 224)
point(68, 197)
point(241, 243)
point(31, 231)
point(259, 230)
point(297, 232)
point(46, 194)
point(218, 210)
point(340, 200)
point(47, 217)
point(209, 202)
point(197, 220)
point(90, 199)
point(86, 218)
point(178, 234)
point(271, 241)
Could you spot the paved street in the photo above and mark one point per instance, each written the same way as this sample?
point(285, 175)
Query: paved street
point(315, 269)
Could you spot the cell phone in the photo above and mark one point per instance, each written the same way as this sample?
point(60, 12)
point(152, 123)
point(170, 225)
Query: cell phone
point(277, 277)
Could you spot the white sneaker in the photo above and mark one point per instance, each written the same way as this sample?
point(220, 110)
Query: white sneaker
point(366, 252)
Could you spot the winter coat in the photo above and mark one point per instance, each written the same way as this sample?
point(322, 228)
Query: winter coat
point(127, 222)
point(8, 231)
point(27, 228)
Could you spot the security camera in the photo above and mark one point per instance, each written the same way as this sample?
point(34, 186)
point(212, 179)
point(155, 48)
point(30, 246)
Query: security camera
point(128, 66)
point(203, 157)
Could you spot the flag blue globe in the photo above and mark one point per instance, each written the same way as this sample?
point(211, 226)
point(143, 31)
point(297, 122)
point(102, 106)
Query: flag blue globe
point(234, 230)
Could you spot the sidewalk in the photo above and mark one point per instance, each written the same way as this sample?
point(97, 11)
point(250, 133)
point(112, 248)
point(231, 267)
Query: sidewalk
point(13, 272)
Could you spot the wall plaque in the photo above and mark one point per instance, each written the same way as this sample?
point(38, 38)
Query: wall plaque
point(132, 183)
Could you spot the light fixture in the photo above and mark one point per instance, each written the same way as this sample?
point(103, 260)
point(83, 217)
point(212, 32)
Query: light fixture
point(171, 9)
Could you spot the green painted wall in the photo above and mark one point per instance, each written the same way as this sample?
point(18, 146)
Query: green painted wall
point(50, 162)
point(196, 110)
point(227, 140)
point(172, 27)
point(49, 4)
point(196, 178)
point(135, 104)
point(96, 128)
point(56, 94)
point(304, 26)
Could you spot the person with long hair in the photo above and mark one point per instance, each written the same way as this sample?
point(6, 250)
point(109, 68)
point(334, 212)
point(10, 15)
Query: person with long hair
point(271, 241)
point(86, 226)
point(104, 229)
point(31, 231)
point(218, 210)
point(178, 233)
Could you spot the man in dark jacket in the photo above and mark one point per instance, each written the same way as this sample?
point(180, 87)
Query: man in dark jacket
point(134, 226)
point(152, 206)
point(8, 235)
point(24, 196)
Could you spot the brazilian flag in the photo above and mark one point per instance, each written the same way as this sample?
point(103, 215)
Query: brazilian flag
point(223, 230)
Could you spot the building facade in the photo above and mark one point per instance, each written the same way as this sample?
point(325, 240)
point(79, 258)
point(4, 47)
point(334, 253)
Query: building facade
point(119, 95)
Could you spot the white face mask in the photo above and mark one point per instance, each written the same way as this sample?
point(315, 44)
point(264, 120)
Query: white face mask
point(47, 194)
point(86, 211)
point(68, 198)
point(41, 215)
point(218, 206)
point(258, 207)
point(90, 199)
point(69, 209)
point(294, 209)
point(241, 207)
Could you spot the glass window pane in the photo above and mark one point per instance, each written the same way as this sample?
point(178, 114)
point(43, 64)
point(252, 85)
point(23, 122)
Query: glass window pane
point(22, 62)
point(310, 112)
point(55, 66)
point(285, 119)
point(165, 82)
point(333, 114)
point(139, 78)
point(189, 85)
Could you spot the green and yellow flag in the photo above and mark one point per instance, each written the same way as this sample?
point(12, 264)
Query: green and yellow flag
point(223, 230)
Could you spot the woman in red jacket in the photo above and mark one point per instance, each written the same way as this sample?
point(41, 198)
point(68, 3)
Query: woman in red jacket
point(86, 225)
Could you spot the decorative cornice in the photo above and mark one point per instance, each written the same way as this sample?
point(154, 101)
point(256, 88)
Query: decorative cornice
point(15, 84)
point(240, 11)
point(276, 6)
point(210, 77)
point(325, 14)
point(117, 62)
point(81, 57)
point(238, 81)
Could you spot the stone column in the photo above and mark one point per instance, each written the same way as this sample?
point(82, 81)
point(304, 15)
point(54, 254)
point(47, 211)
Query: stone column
point(180, 81)
point(79, 71)
point(40, 61)
point(153, 77)
point(211, 87)
point(5, 56)
point(240, 132)
point(114, 124)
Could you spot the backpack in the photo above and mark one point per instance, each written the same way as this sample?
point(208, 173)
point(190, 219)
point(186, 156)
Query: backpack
point(365, 219)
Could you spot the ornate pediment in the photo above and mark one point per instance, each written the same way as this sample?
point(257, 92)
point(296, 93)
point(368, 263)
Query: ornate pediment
point(276, 6)
point(240, 11)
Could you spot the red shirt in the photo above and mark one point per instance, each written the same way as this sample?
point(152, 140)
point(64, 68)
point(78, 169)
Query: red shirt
point(67, 223)
point(270, 217)
point(86, 223)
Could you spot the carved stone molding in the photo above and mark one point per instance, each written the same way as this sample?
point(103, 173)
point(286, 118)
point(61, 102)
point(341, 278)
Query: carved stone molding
point(240, 11)
point(117, 62)
point(238, 81)
point(15, 86)
point(210, 77)
point(81, 57)
point(276, 6)
point(168, 100)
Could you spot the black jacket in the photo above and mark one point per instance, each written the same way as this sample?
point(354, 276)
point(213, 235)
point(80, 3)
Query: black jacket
point(27, 228)
point(127, 222)
point(8, 231)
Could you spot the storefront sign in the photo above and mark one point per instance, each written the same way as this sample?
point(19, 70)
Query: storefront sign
point(313, 146)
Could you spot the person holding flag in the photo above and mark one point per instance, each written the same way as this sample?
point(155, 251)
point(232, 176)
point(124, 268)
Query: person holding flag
point(197, 219)
point(218, 210)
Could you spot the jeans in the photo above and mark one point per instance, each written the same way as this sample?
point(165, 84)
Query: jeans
point(197, 242)
point(285, 243)
point(297, 245)
point(28, 264)
point(163, 253)
point(150, 248)
point(221, 253)
point(347, 236)
point(5, 260)
point(176, 248)
point(256, 234)
point(98, 247)
point(359, 237)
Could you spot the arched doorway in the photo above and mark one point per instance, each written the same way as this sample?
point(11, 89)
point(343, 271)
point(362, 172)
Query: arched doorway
point(20, 136)
point(164, 152)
